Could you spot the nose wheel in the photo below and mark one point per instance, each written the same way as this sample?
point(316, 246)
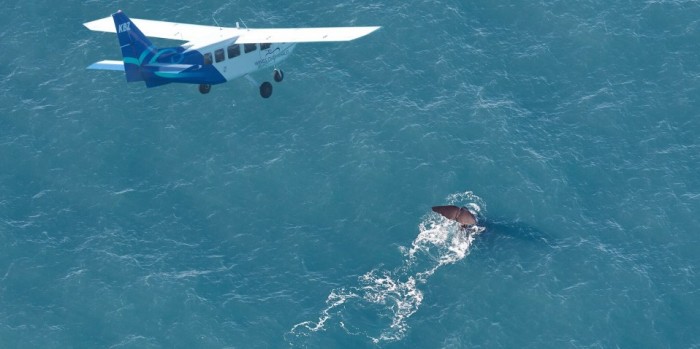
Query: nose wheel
point(278, 75)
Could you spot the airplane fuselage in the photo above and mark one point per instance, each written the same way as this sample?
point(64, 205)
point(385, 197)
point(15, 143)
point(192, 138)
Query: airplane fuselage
point(214, 63)
point(232, 60)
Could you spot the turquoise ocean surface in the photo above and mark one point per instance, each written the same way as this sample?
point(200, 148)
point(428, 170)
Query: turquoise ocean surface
point(163, 218)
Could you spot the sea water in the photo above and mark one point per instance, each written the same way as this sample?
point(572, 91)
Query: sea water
point(162, 218)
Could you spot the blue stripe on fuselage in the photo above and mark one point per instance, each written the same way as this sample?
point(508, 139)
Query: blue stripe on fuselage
point(199, 73)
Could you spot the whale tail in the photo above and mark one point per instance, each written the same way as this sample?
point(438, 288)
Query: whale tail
point(458, 214)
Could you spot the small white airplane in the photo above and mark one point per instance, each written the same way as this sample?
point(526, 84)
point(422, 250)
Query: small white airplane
point(211, 55)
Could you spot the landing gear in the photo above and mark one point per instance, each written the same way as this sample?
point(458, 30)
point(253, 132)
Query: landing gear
point(204, 88)
point(278, 75)
point(266, 89)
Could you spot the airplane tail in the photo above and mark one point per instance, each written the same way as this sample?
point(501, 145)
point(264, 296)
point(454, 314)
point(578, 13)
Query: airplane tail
point(135, 46)
point(141, 61)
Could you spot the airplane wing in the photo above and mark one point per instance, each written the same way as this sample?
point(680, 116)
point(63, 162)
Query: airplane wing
point(205, 33)
point(166, 30)
point(251, 36)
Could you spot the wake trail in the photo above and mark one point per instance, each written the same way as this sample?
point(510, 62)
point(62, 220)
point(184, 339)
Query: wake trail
point(391, 297)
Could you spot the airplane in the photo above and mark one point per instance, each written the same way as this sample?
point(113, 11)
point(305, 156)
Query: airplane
point(211, 55)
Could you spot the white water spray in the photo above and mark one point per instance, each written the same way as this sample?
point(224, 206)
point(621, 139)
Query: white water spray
point(395, 295)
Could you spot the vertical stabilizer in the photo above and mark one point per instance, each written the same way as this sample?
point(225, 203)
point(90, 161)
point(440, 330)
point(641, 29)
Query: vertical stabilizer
point(135, 46)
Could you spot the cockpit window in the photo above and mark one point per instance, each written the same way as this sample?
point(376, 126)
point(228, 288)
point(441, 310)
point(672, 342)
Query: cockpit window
point(207, 58)
point(249, 47)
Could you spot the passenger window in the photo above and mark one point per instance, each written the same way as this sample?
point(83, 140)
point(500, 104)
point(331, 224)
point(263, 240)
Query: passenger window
point(234, 51)
point(249, 47)
point(219, 55)
point(265, 46)
point(207, 58)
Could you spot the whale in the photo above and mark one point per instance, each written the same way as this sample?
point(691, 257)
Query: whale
point(458, 214)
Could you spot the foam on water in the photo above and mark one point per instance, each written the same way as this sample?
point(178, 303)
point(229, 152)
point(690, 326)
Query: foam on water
point(395, 295)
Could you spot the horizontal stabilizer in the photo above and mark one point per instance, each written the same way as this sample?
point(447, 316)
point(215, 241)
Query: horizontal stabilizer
point(169, 68)
point(108, 65)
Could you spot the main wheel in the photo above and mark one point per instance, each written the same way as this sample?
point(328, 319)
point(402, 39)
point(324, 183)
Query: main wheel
point(278, 75)
point(266, 89)
point(204, 88)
